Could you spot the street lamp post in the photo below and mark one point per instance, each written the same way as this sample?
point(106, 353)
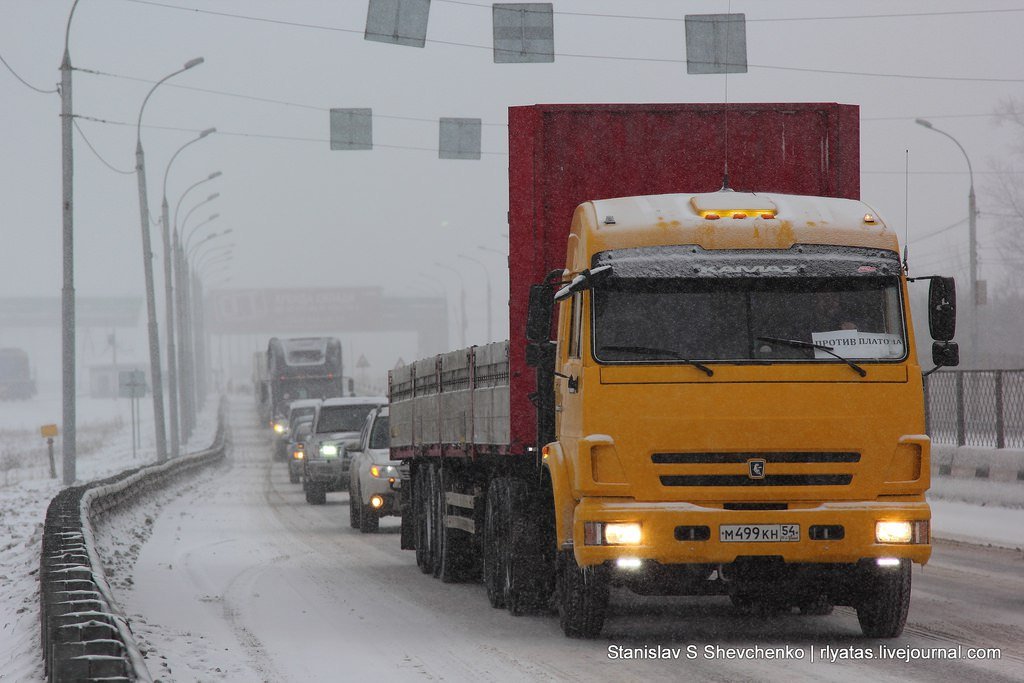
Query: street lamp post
point(972, 222)
point(67, 296)
point(487, 280)
point(169, 331)
point(462, 301)
point(147, 262)
point(186, 393)
point(187, 363)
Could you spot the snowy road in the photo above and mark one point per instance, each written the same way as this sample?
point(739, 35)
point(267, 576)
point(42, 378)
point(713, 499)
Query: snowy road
point(240, 579)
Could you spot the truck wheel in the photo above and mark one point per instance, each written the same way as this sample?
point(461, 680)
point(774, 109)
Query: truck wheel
point(882, 611)
point(316, 494)
point(369, 520)
point(422, 510)
point(529, 572)
point(354, 508)
point(582, 595)
point(818, 606)
point(494, 569)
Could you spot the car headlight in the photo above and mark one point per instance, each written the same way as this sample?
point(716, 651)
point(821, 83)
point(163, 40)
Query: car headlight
point(328, 450)
point(280, 427)
point(383, 471)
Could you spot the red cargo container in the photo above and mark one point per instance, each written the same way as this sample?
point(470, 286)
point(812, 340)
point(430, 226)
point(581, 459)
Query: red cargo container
point(561, 155)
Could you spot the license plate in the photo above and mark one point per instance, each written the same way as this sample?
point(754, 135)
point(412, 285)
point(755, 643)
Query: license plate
point(758, 533)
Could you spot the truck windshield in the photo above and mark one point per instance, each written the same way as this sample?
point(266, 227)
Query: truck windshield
point(343, 418)
point(640, 320)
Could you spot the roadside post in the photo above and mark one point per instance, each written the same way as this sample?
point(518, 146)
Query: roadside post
point(132, 384)
point(48, 432)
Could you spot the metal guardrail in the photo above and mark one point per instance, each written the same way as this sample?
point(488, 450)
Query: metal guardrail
point(975, 407)
point(84, 635)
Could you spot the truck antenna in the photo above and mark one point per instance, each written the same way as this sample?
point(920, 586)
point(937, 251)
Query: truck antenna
point(906, 209)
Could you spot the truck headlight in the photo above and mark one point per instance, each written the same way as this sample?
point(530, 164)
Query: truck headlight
point(328, 450)
point(916, 531)
point(612, 533)
point(280, 427)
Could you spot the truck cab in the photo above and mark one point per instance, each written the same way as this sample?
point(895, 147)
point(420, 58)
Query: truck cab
point(738, 404)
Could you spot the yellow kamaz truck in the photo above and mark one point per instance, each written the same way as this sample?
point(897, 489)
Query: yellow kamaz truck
point(707, 391)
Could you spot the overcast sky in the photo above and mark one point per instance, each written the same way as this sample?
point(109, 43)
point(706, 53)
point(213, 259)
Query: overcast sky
point(303, 215)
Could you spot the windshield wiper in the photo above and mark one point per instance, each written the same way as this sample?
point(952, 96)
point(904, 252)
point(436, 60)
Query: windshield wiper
point(811, 345)
point(648, 349)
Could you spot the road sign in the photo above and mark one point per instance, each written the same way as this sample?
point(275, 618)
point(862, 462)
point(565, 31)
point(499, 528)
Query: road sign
point(48, 431)
point(131, 384)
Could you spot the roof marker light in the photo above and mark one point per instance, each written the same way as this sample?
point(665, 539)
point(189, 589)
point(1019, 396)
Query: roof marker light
point(869, 219)
point(711, 216)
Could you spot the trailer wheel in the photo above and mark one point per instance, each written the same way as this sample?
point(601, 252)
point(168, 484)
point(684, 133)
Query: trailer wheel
point(582, 595)
point(882, 612)
point(422, 511)
point(455, 546)
point(494, 569)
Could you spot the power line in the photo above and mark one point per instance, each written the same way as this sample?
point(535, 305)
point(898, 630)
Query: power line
point(293, 138)
point(665, 60)
point(316, 107)
point(755, 20)
point(98, 155)
point(255, 98)
point(23, 81)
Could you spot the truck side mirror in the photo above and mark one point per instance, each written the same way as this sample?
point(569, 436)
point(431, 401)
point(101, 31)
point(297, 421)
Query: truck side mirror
point(945, 354)
point(942, 308)
point(538, 316)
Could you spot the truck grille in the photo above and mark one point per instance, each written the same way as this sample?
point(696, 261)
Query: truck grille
point(744, 479)
point(726, 458)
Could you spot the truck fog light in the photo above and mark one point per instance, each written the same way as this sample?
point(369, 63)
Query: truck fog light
point(894, 532)
point(629, 563)
point(887, 562)
point(376, 502)
point(627, 533)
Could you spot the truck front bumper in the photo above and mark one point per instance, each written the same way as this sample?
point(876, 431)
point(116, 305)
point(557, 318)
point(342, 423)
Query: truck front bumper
point(664, 524)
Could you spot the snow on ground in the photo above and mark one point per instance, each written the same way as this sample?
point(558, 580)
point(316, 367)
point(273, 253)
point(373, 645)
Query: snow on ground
point(963, 510)
point(104, 447)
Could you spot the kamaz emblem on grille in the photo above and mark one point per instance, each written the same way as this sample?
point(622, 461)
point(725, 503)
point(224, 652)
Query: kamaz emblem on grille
point(755, 468)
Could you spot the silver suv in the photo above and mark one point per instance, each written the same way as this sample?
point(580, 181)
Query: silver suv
point(326, 465)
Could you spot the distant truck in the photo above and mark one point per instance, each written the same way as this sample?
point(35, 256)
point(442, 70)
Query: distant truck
point(16, 380)
point(706, 391)
point(299, 368)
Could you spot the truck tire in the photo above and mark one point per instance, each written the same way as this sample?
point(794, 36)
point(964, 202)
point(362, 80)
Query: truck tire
point(455, 549)
point(369, 520)
point(882, 612)
point(315, 494)
point(422, 509)
point(582, 596)
point(354, 508)
point(529, 572)
point(493, 568)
